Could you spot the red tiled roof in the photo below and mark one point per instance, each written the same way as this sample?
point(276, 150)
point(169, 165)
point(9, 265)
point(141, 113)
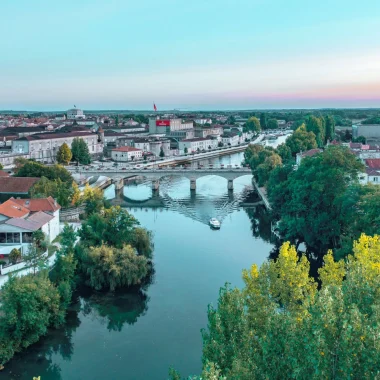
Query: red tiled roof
point(126, 149)
point(17, 185)
point(11, 209)
point(311, 152)
point(3, 173)
point(39, 204)
point(373, 163)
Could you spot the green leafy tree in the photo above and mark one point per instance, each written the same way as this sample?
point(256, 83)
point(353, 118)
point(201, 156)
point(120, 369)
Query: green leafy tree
point(162, 153)
point(93, 198)
point(80, 151)
point(253, 124)
point(301, 140)
point(220, 144)
point(263, 170)
point(284, 152)
point(111, 268)
point(15, 256)
point(263, 121)
point(1, 166)
point(29, 306)
point(272, 124)
point(115, 227)
point(36, 169)
point(317, 126)
point(330, 128)
point(64, 154)
point(44, 188)
point(310, 207)
point(36, 256)
point(281, 325)
point(142, 240)
point(185, 150)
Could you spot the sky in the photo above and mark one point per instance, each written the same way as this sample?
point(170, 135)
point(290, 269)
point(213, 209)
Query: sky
point(189, 54)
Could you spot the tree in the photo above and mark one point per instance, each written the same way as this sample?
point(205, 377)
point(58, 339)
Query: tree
point(209, 147)
point(185, 150)
point(44, 188)
point(29, 306)
point(93, 198)
point(220, 144)
point(317, 126)
point(80, 151)
point(253, 124)
point(309, 206)
point(282, 325)
point(301, 140)
point(330, 128)
point(36, 256)
point(162, 153)
point(64, 154)
point(14, 256)
point(359, 139)
point(76, 195)
point(284, 152)
point(36, 169)
point(111, 268)
point(1, 166)
point(272, 124)
point(263, 120)
point(114, 227)
point(142, 240)
point(263, 170)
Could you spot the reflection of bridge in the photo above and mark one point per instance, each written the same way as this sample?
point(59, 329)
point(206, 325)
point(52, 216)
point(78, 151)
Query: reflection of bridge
point(119, 175)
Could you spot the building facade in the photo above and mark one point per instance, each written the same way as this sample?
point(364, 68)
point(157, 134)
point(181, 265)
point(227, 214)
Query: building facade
point(197, 144)
point(126, 154)
point(75, 113)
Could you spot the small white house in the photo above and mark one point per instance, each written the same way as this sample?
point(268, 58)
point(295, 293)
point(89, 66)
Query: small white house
point(19, 218)
point(126, 153)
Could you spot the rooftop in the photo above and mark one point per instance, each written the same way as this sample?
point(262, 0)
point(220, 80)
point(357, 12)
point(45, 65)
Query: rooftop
point(126, 149)
point(17, 185)
point(39, 204)
point(13, 210)
point(373, 163)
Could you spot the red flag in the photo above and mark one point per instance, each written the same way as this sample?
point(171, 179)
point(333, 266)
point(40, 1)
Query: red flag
point(154, 106)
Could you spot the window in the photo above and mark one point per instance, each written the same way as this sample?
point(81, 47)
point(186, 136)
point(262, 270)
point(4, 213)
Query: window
point(3, 236)
point(27, 237)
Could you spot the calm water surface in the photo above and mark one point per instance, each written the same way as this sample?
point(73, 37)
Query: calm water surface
point(140, 333)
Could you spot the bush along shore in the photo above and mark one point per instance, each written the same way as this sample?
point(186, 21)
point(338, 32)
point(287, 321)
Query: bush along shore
point(110, 250)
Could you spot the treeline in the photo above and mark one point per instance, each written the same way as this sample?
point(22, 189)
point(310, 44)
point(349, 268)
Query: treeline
point(57, 182)
point(319, 203)
point(285, 325)
point(113, 252)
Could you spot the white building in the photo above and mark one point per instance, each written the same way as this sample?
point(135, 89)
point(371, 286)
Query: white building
point(126, 153)
point(19, 218)
point(168, 125)
point(45, 146)
point(203, 121)
point(197, 144)
point(75, 113)
point(230, 139)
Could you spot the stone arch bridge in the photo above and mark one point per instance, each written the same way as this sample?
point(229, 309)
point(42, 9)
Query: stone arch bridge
point(153, 174)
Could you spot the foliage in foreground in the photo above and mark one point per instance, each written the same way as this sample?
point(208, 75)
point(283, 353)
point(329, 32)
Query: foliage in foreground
point(281, 325)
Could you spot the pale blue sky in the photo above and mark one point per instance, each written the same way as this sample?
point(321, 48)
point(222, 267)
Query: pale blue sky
point(226, 54)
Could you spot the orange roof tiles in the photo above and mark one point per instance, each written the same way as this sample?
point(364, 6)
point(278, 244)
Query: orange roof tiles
point(39, 204)
point(11, 209)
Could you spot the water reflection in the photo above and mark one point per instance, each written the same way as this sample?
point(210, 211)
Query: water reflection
point(114, 309)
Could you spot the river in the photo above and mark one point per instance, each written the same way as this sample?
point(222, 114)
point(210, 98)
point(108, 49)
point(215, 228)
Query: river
point(140, 333)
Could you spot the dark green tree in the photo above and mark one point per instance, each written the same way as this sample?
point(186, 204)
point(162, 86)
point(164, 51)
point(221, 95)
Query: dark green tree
point(317, 126)
point(253, 125)
point(330, 128)
point(301, 141)
point(263, 120)
point(80, 151)
point(272, 124)
point(162, 153)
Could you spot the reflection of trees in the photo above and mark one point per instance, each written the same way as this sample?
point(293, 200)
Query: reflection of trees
point(260, 222)
point(37, 360)
point(119, 307)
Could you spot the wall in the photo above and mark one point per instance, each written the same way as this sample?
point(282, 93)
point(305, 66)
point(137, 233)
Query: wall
point(12, 268)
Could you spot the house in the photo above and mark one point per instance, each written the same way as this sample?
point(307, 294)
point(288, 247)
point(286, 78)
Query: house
point(19, 218)
point(308, 153)
point(16, 186)
point(126, 153)
point(230, 138)
point(197, 144)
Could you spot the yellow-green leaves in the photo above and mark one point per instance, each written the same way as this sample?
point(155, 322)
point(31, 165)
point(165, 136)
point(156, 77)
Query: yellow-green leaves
point(332, 272)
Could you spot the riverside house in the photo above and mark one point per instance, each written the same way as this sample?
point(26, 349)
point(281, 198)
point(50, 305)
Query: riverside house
point(19, 218)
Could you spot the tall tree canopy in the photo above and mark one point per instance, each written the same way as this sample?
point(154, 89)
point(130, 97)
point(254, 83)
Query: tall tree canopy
point(301, 140)
point(35, 169)
point(263, 120)
point(253, 124)
point(281, 325)
point(80, 151)
point(64, 154)
point(317, 126)
point(310, 199)
point(272, 124)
